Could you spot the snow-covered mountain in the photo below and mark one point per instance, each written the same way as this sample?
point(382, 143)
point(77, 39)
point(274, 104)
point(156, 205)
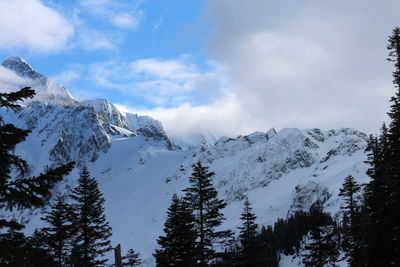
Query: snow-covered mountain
point(139, 168)
point(46, 89)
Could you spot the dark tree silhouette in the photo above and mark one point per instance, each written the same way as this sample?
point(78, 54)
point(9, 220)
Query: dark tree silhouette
point(248, 236)
point(132, 259)
point(207, 211)
point(92, 231)
point(59, 233)
point(20, 192)
point(178, 245)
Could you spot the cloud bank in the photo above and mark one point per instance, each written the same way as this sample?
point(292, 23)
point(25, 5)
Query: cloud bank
point(294, 64)
point(32, 25)
point(158, 83)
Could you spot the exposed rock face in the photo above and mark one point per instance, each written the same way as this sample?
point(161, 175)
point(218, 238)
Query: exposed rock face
point(146, 126)
point(259, 158)
point(309, 194)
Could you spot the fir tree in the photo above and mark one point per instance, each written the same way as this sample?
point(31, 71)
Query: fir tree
point(321, 251)
point(250, 246)
point(268, 254)
point(178, 246)
point(393, 154)
point(20, 191)
point(29, 251)
point(207, 210)
point(132, 259)
point(37, 247)
point(58, 235)
point(375, 204)
point(92, 231)
point(382, 196)
point(351, 214)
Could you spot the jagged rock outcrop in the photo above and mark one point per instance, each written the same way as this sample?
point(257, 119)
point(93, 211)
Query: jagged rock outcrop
point(307, 195)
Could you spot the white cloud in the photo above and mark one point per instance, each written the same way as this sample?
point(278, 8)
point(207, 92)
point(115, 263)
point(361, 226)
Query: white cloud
point(66, 77)
point(119, 14)
point(225, 116)
point(95, 40)
point(32, 25)
point(305, 64)
point(159, 82)
point(169, 69)
point(290, 64)
point(124, 20)
point(10, 81)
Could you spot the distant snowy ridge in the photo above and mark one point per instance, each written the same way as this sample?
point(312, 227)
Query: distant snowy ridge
point(139, 168)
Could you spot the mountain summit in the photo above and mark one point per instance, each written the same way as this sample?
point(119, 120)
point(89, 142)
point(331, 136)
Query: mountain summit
point(46, 89)
point(22, 68)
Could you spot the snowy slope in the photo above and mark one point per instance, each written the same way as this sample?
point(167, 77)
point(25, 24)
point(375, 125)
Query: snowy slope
point(139, 168)
point(138, 186)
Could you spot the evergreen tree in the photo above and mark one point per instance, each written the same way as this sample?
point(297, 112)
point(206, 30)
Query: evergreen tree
point(393, 154)
point(250, 246)
point(351, 216)
point(132, 259)
point(269, 250)
point(207, 210)
point(231, 255)
point(20, 191)
point(92, 231)
point(178, 246)
point(321, 251)
point(382, 196)
point(58, 235)
point(375, 204)
point(37, 247)
point(27, 251)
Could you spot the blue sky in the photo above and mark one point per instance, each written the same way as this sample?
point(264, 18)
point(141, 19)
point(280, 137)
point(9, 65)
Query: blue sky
point(218, 67)
point(160, 30)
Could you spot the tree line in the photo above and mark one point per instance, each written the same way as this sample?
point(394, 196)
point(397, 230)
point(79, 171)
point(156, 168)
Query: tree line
point(192, 235)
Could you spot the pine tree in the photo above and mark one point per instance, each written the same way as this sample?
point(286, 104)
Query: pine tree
point(132, 259)
point(207, 210)
point(250, 246)
point(58, 235)
point(92, 231)
point(178, 246)
point(20, 191)
point(351, 216)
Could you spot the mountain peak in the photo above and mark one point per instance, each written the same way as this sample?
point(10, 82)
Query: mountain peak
point(46, 89)
point(15, 59)
point(22, 68)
